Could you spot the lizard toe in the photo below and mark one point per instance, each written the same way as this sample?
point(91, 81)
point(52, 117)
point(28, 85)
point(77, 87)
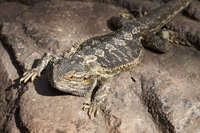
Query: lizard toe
point(92, 109)
point(31, 74)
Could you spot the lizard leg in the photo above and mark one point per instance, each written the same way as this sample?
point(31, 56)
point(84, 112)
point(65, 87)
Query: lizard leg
point(123, 19)
point(97, 98)
point(162, 41)
point(174, 37)
point(156, 42)
point(35, 72)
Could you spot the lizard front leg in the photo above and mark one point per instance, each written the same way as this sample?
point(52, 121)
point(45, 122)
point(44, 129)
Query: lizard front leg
point(35, 72)
point(98, 97)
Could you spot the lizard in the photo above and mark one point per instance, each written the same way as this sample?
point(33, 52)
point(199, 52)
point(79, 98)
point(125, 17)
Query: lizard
point(84, 69)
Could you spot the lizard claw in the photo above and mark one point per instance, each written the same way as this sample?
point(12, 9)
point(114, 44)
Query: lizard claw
point(31, 74)
point(92, 108)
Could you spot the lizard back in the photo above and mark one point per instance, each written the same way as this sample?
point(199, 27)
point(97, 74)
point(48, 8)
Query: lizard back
point(112, 52)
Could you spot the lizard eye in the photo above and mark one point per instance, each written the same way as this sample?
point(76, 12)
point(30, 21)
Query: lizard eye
point(86, 80)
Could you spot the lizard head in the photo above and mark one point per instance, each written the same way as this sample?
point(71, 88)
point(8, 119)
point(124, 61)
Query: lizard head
point(72, 77)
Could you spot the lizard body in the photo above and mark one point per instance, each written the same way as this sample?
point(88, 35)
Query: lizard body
point(104, 56)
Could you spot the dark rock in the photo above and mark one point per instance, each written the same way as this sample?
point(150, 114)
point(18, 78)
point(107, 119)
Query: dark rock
point(8, 73)
point(194, 10)
point(135, 5)
point(9, 10)
point(8, 94)
point(26, 2)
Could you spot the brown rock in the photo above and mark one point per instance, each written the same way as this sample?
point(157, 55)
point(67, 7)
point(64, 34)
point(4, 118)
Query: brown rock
point(194, 10)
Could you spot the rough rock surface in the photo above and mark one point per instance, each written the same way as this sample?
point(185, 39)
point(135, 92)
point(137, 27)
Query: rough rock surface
point(159, 95)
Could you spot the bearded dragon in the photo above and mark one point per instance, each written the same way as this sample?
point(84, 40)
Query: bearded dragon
point(96, 59)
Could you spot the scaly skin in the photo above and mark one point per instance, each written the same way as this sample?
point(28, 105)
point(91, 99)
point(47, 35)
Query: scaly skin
point(101, 57)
